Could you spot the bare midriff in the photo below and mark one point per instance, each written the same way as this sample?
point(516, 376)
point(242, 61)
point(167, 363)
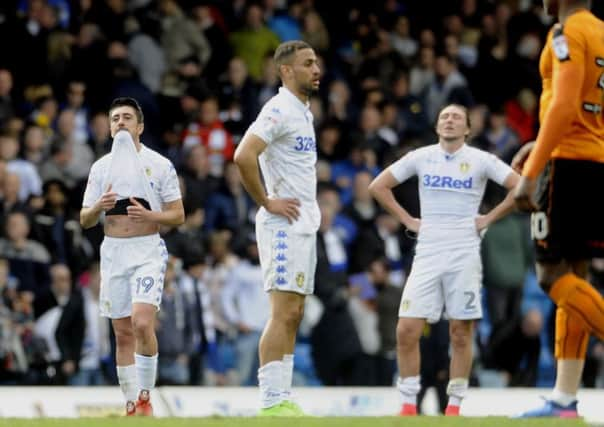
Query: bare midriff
point(122, 226)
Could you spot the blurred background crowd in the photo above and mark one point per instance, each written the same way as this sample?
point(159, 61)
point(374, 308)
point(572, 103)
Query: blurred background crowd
point(201, 70)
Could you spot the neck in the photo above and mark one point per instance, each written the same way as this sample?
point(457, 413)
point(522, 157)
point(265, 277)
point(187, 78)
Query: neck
point(451, 146)
point(301, 96)
point(565, 10)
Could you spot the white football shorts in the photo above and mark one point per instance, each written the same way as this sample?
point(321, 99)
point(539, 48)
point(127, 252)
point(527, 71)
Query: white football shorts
point(132, 271)
point(444, 279)
point(288, 259)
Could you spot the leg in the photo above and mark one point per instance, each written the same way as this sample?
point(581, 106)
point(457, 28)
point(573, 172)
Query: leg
point(277, 340)
point(279, 335)
point(573, 294)
point(461, 332)
point(572, 337)
point(408, 333)
point(143, 325)
point(124, 357)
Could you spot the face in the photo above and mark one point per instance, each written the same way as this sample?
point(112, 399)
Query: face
point(34, 138)
point(75, 94)
point(208, 112)
point(55, 195)
point(61, 279)
point(452, 124)
point(305, 71)
point(124, 117)
point(17, 226)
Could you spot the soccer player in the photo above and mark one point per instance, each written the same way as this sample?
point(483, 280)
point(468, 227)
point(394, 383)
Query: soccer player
point(567, 220)
point(137, 189)
point(447, 269)
point(282, 140)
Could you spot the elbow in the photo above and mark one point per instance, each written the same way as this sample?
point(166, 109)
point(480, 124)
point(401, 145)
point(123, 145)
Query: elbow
point(239, 157)
point(181, 218)
point(373, 189)
point(83, 222)
point(563, 109)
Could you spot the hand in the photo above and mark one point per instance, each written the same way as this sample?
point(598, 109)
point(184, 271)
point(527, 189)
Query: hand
point(107, 200)
point(137, 212)
point(414, 225)
point(284, 207)
point(521, 156)
point(482, 223)
point(523, 195)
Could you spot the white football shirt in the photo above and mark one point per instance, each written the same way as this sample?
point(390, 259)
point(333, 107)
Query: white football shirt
point(451, 187)
point(160, 172)
point(285, 124)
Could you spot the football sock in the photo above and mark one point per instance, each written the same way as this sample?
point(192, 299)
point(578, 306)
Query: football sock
point(126, 376)
point(571, 337)
point(409, 387)
point(146, 371)
point(579, 299)
point(270, 380)
point(288, 374)
point(563, 399)
point(457, 389)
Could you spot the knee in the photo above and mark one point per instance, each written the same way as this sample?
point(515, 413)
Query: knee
point(407, 335)
point(548, 274)
point(461, 335)
point(291, 316)
point(124, 338)
point(141, 326)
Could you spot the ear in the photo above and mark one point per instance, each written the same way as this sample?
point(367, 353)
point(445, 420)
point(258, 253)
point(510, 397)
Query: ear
point(140, 128)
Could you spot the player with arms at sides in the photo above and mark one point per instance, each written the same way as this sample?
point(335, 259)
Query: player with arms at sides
point(282, 140)
point(567, 223)
point(137, 189)
point(447, 268)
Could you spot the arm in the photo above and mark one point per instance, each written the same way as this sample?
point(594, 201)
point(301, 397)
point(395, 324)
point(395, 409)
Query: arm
point(559, 116)
point(505, 207)
point(567, 81)
point(246, 159)
point(381, 190)
point(521, 156)
point(172, 213)
point(89, 216)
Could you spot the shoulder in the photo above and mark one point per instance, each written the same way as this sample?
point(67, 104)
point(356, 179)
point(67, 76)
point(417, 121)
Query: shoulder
point(477, 152)
point(276, 106)
point(157, 158)
point(101, 163)
point(423, 152)
point(579, 23)
point(578, 28)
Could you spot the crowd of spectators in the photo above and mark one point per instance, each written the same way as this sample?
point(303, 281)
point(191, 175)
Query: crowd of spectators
point(201, 70)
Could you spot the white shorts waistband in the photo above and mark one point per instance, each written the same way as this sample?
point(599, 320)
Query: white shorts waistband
point(149, 238)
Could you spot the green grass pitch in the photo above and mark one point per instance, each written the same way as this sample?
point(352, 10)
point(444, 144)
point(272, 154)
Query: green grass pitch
point(292, 422)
